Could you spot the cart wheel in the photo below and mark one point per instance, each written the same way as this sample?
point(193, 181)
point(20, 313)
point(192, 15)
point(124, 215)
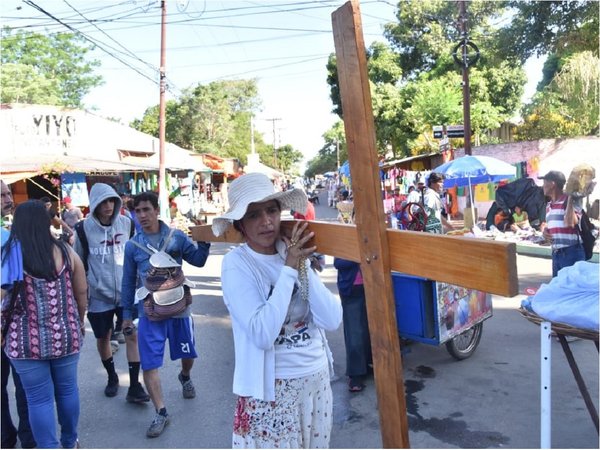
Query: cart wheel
point(464, 345)
point(414, 217)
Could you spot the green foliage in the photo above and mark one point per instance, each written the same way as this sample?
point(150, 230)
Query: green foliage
point(215, 118)
point(58, 63)
point(287, 157)
point(22, 84)
point(545, 119)
point(569, 105)
point(578, 84)
point(548, 27)
point(426, 32)
point(415, 83)
point(327, 158)
point(436, 102)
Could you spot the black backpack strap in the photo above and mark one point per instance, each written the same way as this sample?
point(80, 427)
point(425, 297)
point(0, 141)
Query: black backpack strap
point(132, 229)
point(84, 243)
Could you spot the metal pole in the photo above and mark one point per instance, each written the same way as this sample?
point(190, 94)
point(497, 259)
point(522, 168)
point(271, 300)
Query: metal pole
point(163, 197)
point(465, 72)
point(337, 152)
point(545, 383)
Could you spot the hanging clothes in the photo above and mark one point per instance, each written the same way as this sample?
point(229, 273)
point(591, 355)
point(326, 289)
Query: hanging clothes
point(481, 192)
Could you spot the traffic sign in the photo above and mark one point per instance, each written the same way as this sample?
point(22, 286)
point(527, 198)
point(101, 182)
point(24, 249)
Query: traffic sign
point(455, 131)
point(438, 132)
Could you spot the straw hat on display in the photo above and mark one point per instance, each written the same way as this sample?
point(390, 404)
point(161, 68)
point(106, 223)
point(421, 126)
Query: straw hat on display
point(256, 188)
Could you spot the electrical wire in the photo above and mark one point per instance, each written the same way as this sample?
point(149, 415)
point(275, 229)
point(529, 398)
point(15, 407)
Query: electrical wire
point(43, 11)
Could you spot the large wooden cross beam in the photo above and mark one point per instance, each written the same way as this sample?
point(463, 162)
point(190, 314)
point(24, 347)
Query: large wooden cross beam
point(472, 263)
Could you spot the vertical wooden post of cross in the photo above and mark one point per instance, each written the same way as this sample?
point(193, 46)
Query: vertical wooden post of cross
point(370, 224)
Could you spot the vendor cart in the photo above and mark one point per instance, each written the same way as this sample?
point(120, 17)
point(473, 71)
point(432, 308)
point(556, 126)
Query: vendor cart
point(439, 313)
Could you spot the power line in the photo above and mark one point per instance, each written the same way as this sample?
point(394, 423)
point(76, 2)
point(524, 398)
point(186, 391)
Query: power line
point(112, 39)
point(43, 11)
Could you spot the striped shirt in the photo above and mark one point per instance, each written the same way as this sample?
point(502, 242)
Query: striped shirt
point(562, 236)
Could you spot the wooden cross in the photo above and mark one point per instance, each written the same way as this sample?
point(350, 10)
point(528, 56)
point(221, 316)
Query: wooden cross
point(483, 265)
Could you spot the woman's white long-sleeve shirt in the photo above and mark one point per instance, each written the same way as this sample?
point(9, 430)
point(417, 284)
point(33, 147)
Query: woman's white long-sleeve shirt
point(257, 322)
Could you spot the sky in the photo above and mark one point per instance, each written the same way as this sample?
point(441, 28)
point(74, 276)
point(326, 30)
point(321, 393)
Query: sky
point(284, 44)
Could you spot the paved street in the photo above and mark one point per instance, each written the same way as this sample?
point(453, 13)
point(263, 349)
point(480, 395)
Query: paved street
point(488, 401)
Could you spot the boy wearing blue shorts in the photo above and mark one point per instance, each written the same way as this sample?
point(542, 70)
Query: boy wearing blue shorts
point(153, 334)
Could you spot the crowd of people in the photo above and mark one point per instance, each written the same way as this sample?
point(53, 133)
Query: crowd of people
point(121, 271)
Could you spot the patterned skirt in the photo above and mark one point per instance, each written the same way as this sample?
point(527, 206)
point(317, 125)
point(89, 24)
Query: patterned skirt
point(300, 416)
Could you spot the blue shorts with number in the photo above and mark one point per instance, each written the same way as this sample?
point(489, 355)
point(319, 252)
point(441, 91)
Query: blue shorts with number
point(152, 336)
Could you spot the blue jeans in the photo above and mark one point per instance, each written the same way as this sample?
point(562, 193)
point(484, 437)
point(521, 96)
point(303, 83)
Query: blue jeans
point(566, 256)
point(44, 381)
point(9, 431)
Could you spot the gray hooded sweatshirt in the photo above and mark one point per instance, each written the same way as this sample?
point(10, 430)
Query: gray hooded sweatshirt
point(106, 250)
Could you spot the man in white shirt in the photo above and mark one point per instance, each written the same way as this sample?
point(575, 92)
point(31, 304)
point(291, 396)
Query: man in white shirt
point(434, 205)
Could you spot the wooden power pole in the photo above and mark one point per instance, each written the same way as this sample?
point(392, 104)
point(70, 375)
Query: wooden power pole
point(163, 196)
point(462, 4)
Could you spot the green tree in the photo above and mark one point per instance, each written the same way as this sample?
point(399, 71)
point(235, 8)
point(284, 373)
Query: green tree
point(57, 62)
point(558, 29)
point(548, 27)
point(288, 157)
point(212, 118)
point(578, 85)
point(215, 118)
point(569, 105)
point(415, 83)
point(327, 157)
point(22, 84)
point(426, 31)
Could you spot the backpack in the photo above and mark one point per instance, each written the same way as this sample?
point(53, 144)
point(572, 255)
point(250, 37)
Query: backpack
point(588, 234)
point(166, 292)
point(84, 242)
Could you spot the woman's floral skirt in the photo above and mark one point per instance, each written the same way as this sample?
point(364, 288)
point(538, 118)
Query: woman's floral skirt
point(300, 416)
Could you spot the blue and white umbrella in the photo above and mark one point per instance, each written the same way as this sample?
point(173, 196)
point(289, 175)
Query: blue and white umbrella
point(469, 170)
point(345, 169)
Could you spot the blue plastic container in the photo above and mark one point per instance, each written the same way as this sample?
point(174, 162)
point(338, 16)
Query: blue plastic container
point(415, 308)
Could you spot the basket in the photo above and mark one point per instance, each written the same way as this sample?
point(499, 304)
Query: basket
point(561, 328)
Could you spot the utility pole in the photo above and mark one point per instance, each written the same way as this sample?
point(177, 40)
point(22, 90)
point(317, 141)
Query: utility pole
point(163, 197)
point(273, 120)
point(337, 152)
point(252, 146)
point(462, 5)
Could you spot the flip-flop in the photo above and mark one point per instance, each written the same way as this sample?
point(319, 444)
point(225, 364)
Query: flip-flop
point(354, 386)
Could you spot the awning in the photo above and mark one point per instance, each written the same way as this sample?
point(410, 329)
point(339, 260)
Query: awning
point(261, 168)
point(68, 163)
point(13, 177)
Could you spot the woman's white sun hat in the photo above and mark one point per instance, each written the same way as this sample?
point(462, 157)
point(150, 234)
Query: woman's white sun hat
point(255, 188)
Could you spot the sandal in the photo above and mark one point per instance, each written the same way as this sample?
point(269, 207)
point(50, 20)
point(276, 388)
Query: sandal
point(355, 384)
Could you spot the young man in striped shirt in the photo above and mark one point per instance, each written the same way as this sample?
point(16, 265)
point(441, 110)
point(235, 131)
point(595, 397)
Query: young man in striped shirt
point(567, 247)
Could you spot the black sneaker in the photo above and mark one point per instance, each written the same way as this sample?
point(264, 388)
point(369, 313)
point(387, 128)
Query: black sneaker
point(112, 387)
point(137, 394)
